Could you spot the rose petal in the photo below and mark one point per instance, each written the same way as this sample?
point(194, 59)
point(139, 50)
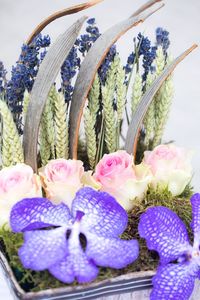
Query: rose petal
point(33, 213)
point(177, 181)
point(75, 265)
point(42, 248)
point(103, 215)
point(111, 252)
point(173, 281)
point(164, 232)
point(195, 202)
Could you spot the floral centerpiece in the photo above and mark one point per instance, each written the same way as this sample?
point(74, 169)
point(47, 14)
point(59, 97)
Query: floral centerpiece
point(96, 205)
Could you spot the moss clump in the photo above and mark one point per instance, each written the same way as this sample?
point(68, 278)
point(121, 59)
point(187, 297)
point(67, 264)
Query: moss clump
point(37, 281)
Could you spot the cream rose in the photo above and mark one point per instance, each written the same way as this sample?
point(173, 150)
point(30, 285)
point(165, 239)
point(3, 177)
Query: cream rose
point(125, 181)
point(61, 179)
point(171, 167)
point(16, 182)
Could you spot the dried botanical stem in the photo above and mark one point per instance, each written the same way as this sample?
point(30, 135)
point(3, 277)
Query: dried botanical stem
point(48, 121)
point(25, 102)
point(12, 151)
point(120, 91)
point(93, 97)
point(45, 148)
point(109, 115)
point(149, 120)
point(136, 93)
point(61, 126)
point(162, 109)
point(89, 124)
point(159, 61)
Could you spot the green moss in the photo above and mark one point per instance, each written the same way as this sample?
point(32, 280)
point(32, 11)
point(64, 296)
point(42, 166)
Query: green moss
point(37, 281)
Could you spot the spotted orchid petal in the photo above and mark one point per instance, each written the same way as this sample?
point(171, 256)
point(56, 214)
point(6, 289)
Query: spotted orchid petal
point(164, 232)
point(36, 213)
point(111, 252)
point(42, 248)
point(103, 215)
point(76, 265)
point(65, 246)
point(195, 202)
point(174, 281)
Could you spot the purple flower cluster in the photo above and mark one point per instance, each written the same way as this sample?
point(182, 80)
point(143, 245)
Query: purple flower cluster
point(72, 244)
point(85, 41)
point(68, 71)
point(72, 62)
point(3, 80)
point(162, 39)
point(25, 71)
point(147, 51)
point(179, 266)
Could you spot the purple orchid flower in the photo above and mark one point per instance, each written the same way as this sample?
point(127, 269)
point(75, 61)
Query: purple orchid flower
point(52, 235)
point(179, 266)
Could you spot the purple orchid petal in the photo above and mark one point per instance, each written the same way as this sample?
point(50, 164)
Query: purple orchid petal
point(75, 266)
point(198, 275)
point(36, 213)
point(111, 252)
point(195, 202)
point(103, 215)
point(43, 248)
point(174, 281)
point(164, 232)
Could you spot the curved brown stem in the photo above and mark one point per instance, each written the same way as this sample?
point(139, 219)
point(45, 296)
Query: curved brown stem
point(59, 14)
point(46, 76)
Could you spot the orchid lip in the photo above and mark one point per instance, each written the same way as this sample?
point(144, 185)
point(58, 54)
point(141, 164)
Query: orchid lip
point(79, 215)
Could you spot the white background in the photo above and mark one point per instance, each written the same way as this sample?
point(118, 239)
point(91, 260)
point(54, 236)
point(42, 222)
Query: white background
point(180, 17)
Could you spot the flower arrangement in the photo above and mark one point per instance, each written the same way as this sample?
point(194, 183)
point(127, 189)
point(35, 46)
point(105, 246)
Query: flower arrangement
point(72, 220)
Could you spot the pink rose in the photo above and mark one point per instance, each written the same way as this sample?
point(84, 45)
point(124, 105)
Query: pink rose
point(16, 182)
point(118, 176)
point(61, 179)
point(171, 166)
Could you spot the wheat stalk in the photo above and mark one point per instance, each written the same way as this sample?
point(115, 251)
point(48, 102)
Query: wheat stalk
point(61, 126)
point(93, 97)
point(149, 120)
point(48, 121)
point(12, 151)
point(120, 90)
point(162, 109)
point(136, 93)
point(89, 124)
point(45, 148)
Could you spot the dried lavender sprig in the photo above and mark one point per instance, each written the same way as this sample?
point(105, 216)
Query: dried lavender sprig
point(23, 74)
point(162, 39)
point(68, 72)
point(85, 42)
